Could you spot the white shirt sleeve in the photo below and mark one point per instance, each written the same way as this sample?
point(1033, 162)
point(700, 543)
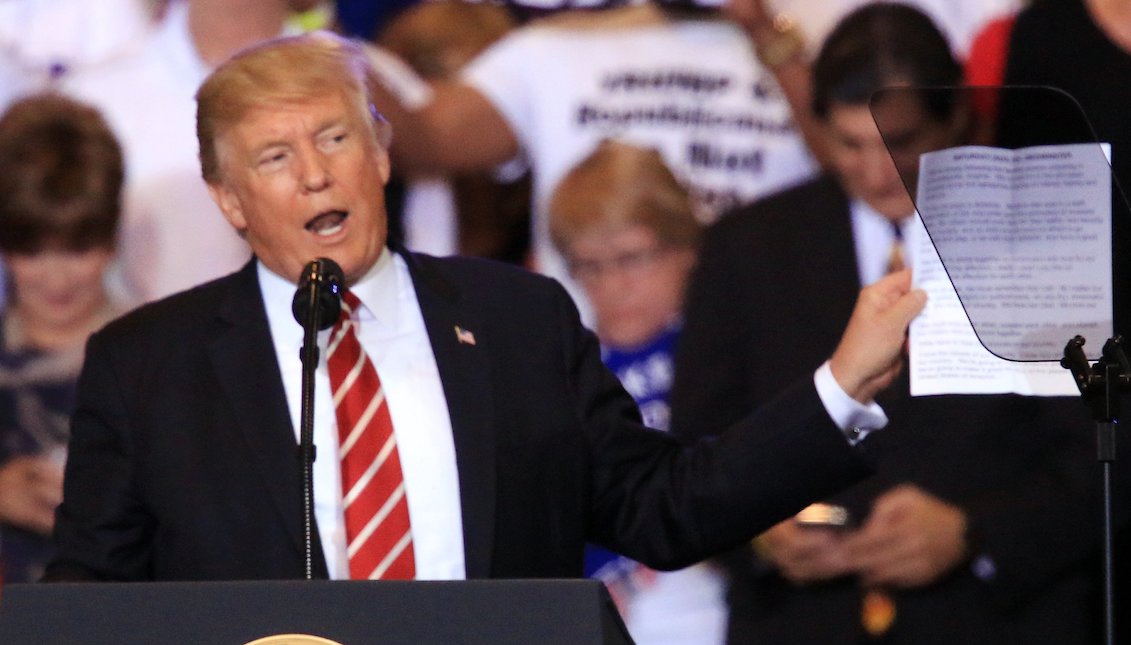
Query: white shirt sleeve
point(499, 73)
point(855, 419)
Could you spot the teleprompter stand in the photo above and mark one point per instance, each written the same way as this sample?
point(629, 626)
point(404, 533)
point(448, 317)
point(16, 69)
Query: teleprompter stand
point(1100, 385)
point(548, 612)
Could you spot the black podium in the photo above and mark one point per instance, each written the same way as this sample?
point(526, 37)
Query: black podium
point(546, 612)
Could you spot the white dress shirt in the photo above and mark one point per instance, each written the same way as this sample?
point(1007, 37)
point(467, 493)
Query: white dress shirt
point(392, 332)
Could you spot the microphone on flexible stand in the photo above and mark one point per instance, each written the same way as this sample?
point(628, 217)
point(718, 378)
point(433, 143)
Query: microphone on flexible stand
point(316, 306)
point(318, 300)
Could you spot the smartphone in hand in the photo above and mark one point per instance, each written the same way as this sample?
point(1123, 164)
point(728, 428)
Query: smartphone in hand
point(821, 515)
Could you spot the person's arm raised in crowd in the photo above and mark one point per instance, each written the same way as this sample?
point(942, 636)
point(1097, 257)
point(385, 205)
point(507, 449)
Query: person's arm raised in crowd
point(781, 48)
point(439, 126)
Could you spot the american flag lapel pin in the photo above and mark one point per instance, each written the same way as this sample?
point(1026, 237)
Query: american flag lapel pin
point(464, 336)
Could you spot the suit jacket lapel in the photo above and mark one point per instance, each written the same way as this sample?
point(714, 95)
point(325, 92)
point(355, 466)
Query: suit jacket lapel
point(243, 356)
point(845, 273)
point(465, 374)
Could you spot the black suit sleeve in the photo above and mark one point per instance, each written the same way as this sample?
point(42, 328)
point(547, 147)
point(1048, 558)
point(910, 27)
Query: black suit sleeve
point(668, 504)
point(102, 531)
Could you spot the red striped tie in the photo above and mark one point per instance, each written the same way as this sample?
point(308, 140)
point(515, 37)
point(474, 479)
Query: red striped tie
point(376, 510)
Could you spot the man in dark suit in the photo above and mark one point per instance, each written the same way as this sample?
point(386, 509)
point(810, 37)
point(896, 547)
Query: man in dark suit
point(976, 525)
point(516, 445)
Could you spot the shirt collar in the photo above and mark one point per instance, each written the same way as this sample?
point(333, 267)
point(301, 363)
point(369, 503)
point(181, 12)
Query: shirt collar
point(872, 236)
point(378, 291)
point(867, 216)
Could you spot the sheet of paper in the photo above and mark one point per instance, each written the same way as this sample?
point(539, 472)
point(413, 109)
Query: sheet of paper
point(1026, 238)
point(945, 356)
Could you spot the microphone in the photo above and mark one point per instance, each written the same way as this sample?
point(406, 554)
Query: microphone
point(319, 286)
point(317, 305)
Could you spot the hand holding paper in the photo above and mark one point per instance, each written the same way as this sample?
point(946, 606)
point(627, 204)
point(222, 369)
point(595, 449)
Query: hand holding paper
point(869, 355)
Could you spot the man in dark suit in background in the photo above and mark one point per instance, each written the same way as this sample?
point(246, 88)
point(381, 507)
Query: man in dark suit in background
point(515, 444)
point(977, 522)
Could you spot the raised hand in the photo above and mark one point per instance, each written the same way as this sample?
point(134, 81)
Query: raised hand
point(870, 352)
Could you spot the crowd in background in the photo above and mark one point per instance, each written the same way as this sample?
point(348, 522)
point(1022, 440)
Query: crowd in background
point(593, 141)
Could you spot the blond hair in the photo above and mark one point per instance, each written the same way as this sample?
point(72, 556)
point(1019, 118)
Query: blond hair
point(285, 70)
point(619, 185)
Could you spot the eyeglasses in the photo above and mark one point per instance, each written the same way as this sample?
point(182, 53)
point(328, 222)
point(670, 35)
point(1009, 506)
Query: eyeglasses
point(630, 262)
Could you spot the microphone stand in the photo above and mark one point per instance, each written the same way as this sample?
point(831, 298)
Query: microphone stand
point(316, 306)
point(309, 357)
point(1100, 386)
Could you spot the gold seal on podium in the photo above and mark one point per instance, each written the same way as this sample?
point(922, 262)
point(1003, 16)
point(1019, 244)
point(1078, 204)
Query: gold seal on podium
point(293, 639)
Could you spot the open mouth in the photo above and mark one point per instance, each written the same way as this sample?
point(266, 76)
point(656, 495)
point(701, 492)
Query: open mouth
point(327, 223)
